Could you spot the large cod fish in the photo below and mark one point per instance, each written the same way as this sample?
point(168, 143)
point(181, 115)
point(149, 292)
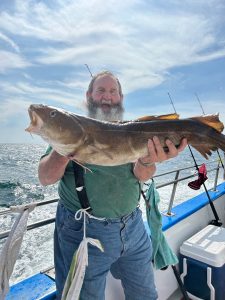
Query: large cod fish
point(108, 144)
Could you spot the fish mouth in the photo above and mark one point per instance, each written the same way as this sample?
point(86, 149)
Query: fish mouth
point(36, 122)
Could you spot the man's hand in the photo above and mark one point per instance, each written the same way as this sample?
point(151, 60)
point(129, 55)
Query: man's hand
point(145, 168)
point(156, 153)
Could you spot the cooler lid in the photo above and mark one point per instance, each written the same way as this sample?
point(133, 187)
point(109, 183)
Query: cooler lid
point(207, 246)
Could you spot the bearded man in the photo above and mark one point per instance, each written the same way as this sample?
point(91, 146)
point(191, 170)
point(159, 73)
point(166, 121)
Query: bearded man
point(113, 195)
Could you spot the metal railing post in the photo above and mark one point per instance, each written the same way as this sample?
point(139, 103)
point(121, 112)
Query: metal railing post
point(216, 178)
point(173, 194)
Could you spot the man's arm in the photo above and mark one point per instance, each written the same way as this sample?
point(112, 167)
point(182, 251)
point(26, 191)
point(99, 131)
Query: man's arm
point(145, 167)
point(51, 168)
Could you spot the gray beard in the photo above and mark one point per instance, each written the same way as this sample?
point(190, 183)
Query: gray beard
point(95, 112)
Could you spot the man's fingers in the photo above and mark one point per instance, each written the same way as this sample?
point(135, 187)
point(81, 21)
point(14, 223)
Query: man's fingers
point(172, 149)
point(159, 149)
point(156, 151)
point(182, 145)
point(151, 151)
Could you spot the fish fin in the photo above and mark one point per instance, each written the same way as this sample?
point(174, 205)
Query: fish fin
point(174, 116)
point(204, 149)
point(210, 120)
point(97, 150)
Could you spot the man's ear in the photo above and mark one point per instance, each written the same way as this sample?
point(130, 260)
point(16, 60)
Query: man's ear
point(88, 94)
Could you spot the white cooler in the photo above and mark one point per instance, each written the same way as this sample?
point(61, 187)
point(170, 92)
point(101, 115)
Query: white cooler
point(202, 264)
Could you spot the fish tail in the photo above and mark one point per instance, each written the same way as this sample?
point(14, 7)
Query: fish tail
point(221, 142)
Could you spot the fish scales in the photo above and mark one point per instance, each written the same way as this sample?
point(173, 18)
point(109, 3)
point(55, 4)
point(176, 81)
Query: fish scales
point(115, 143)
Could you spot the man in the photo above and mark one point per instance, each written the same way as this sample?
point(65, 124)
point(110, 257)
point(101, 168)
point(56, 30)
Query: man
point(113, 194)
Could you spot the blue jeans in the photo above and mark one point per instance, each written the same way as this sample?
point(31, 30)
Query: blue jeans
point(127, 253)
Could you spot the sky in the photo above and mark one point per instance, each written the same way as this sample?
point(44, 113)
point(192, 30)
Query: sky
point(153, 47)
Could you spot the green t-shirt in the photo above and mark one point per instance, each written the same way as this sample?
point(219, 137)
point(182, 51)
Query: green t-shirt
point(112, 191)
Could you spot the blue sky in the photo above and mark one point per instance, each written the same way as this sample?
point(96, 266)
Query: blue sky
point(154, 47)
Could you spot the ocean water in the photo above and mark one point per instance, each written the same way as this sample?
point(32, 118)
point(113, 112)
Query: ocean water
point(19, 184)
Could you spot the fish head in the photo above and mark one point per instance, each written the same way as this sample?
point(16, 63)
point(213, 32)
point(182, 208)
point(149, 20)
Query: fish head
point(54, 125)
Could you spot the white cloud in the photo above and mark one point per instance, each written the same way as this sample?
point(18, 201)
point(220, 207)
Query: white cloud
point(141, 41)
point(129, 36)
point(34, 94)
point(12, 108)
point(11, 60)
point(9, 41)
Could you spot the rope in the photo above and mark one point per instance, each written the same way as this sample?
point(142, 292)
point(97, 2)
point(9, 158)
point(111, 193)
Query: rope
point(75, 278)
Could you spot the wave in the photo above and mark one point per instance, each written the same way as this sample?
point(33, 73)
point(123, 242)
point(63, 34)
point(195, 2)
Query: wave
point(9, 185)
point(17, 193)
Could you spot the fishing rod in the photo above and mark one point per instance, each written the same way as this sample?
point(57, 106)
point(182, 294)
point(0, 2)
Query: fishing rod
point(220, 160)
point(200, 103)
point(171, 101)
point(217, 221)
point(89, 70)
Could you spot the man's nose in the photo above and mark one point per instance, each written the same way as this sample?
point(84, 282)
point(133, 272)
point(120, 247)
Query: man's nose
point(107, 95)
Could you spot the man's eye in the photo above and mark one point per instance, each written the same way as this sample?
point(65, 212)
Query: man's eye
point(52, 113)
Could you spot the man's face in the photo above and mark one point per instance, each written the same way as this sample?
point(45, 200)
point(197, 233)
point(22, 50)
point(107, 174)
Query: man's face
point(105, 101)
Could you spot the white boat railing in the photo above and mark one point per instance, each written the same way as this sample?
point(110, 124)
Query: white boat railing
point(177, 179)
point(174, 182)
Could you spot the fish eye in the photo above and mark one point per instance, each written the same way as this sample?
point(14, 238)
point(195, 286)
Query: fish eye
point(52, 113)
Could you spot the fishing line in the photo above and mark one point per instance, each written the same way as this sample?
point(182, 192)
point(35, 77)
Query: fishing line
point(217, 221)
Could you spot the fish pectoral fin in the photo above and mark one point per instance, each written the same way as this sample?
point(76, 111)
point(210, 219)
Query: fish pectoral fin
point(99, 150)
point(210, 120)
point(160, 117)
point(204, 149)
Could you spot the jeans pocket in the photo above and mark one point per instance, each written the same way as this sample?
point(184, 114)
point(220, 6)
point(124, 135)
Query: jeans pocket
point(67, 224)
point(72, 225)
point(72, 232)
